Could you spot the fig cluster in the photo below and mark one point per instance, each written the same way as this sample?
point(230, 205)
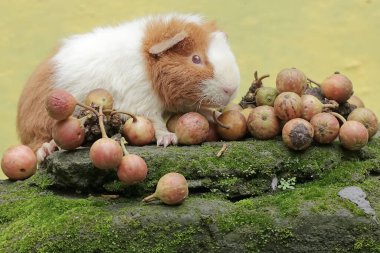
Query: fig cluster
point(303, 113)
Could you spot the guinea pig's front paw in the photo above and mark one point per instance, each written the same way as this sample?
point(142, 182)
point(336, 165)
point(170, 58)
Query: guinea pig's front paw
point(166, 138)
point(45, 150)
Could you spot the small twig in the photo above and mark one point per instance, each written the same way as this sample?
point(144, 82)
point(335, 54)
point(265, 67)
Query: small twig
point(88, 108)
point(314, 82)
point(127, 113)
point(222, 150)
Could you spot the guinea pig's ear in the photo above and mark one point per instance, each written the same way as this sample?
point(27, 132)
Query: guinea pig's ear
point(168, 43)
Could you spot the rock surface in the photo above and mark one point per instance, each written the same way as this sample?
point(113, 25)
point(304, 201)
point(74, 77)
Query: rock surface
point(54, 212)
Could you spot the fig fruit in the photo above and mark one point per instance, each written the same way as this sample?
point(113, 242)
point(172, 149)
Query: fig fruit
point(60, 104)
point(138, 131)
point(68, 134)
point(172, 122)
point(266, 96)
point(312, 106)
point(19, 162)
point(353, 135)
point(246, 112)
point(291, 79)
point(367, 118)
point(212, 134)
point(263, 123)
point(287, 106)
point(172, 189)
point(106, 154)
point(192, 128)
point(297, 134)
point(132, 169)
point(231, 125)
point(356, 101)
point(326, 127)
point(232, 107)
point(99, 97)
point(337, 87)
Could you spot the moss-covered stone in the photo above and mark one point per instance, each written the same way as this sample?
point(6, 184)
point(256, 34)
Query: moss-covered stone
point(245, 169)
point(35, 217)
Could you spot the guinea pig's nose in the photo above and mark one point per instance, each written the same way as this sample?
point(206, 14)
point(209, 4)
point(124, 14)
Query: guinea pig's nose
point(229, 90)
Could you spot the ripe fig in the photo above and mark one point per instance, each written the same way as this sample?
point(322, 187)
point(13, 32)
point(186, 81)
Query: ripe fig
point(232, 125)
point(246, 112)
point(192, 128)
point(138, 131)
point(367, 118)
point(263, 123)
point(99, 97)
point(19, 162)
point(291, 79)
point(212, 134)
point(312, 106)
point(355, 100)
point(297, 134)
point(60, 104)
point(106, 154)
point(266, 96)
point(287, 106)
point(326, 127)
point(353, 135)
point(337, 87)
point(68, 134)
point(232, 107)
point(172, 189)
point(132, 169)
point(172, 122)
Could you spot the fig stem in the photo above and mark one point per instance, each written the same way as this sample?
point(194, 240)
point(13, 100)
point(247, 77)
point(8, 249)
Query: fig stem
point(340, 117)
point(222, 150)
point(127, 113)
point(218, 122)
point(150, 198)
point(101, 123)
point(84, 118)
point(88, 108)
point(314, 82)
point(123, 142)
point(262, 78)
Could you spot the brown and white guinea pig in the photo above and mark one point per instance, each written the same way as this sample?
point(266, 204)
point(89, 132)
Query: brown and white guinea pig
point(152, 65)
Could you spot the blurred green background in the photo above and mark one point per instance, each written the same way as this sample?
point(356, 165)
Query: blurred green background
point(318, 37)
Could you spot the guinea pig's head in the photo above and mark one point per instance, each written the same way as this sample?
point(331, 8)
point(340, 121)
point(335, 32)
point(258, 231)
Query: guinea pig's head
point(190, 64)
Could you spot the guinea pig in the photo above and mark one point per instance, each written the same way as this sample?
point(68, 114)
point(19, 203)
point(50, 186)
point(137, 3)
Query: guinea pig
point(151, 65)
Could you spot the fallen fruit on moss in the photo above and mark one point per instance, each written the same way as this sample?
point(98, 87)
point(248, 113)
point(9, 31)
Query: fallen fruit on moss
point(231, 125)
point(138, 131)
point(172, 189)
point(287, 106)
point(291, 79)
point(337, 87)
point(297, 134)
point(356, 101)
point(266, 96)
point(68, 134)
point(353, 135)
point(192, 128)
point(263, 123)
point(326, 127)
point(312, 106)
point(106, 154)
point(172, 122)
point(367, 118)
point(19, 162)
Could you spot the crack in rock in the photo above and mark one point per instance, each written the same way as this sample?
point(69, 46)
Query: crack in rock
point(358, 196)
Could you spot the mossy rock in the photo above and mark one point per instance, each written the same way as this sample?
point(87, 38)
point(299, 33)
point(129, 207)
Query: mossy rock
point(39, 215)
point(246, 168)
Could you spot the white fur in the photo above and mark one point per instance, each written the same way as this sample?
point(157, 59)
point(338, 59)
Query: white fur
point(226, 71)
point(111, 58)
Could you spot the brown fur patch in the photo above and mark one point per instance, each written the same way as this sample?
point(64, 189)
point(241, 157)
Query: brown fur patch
point(33, 123)
point(175, 78)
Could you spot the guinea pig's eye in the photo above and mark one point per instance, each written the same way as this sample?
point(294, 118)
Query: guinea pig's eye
point(196, 59)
